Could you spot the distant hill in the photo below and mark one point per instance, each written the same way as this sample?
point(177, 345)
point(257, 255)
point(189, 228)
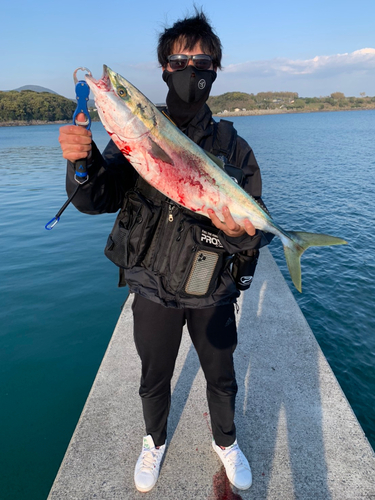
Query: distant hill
point(39, 89)
point(35, 88)
point(28, 105)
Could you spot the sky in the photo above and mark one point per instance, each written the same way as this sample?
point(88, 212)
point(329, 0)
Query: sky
point(314, 48)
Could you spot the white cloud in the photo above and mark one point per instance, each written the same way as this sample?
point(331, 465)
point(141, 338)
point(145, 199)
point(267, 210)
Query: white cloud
point(350, 73)
point(359, 60)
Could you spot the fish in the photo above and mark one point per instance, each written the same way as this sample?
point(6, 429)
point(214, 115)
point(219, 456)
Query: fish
point(177, 167)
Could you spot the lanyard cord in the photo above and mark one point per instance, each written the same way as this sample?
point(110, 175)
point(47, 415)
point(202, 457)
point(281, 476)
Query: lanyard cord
point(52, 223)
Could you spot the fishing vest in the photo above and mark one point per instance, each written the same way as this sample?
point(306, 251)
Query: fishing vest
point(180, 250)
point(223, 147)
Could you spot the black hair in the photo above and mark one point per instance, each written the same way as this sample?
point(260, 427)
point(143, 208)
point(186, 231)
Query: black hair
point(190, 31)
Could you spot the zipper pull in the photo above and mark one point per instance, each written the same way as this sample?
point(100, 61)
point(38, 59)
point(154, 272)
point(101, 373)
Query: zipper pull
point(170, 215)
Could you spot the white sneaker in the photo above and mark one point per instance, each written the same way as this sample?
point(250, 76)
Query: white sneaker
point(147, 468)
point(236, 465)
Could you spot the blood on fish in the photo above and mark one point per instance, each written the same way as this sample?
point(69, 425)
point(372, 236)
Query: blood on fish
point(196, 183)
point(126, 150)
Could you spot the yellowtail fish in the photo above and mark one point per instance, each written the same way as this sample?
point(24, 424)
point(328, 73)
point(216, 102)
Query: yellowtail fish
point(173, 164)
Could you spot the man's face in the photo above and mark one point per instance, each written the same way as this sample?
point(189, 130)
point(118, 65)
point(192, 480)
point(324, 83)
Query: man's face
point(179, 48)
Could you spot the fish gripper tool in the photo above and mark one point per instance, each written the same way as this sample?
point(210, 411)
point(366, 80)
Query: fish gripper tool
point(80, 166)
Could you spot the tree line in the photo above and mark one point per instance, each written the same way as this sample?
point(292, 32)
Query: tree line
point(28, 105)
point(241, 101)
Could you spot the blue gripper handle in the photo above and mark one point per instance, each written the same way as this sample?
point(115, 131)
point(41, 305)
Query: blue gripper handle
point(82, 96)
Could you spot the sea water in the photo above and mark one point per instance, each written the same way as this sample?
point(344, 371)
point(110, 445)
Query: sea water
point(60, 303)
point(59, 306)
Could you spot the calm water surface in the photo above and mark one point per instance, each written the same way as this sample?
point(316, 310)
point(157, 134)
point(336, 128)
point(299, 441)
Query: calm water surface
point(59, 297)
point(59, 306)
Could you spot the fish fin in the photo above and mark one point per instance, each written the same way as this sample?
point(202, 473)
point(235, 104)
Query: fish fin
point(301, 241)
point(159, 153)
point(215, 159)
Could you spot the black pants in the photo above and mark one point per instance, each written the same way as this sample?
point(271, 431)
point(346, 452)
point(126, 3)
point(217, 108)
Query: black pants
point(157, 335)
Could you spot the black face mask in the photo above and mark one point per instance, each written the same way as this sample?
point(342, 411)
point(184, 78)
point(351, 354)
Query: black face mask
point(188, 92)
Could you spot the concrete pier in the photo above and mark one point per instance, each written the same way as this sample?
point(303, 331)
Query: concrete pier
point(293, 421)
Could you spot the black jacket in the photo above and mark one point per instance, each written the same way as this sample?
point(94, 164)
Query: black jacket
point(165, 252)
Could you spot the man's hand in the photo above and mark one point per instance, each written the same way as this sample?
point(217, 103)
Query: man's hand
point(229, 226)
point(75, 141)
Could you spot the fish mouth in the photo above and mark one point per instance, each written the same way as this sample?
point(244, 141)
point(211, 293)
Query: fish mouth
point(103, 84)
point(109, 78)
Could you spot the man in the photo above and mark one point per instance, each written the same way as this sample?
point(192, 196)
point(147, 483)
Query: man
point(154, 242)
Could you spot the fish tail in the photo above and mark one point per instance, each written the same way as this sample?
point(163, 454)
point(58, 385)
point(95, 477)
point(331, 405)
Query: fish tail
point(297, 243)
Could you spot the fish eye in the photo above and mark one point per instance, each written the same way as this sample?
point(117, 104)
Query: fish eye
point(121, 91)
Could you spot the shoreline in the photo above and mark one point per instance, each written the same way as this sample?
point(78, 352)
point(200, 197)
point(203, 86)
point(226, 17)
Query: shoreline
point(262, 112)
point(15, 123)
point(253, 112)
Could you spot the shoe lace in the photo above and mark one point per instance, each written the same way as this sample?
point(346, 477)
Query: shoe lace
point(150, 459)
point(234, 456)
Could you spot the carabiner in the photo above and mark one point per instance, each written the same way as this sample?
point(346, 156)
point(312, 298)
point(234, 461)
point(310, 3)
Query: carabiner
point(52, 223)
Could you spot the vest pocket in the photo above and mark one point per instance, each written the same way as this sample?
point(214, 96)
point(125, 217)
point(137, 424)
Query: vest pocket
point(132, 232)
point(195, 265)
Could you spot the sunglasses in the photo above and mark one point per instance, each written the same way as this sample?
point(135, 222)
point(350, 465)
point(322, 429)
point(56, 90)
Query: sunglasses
point(180, 61)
